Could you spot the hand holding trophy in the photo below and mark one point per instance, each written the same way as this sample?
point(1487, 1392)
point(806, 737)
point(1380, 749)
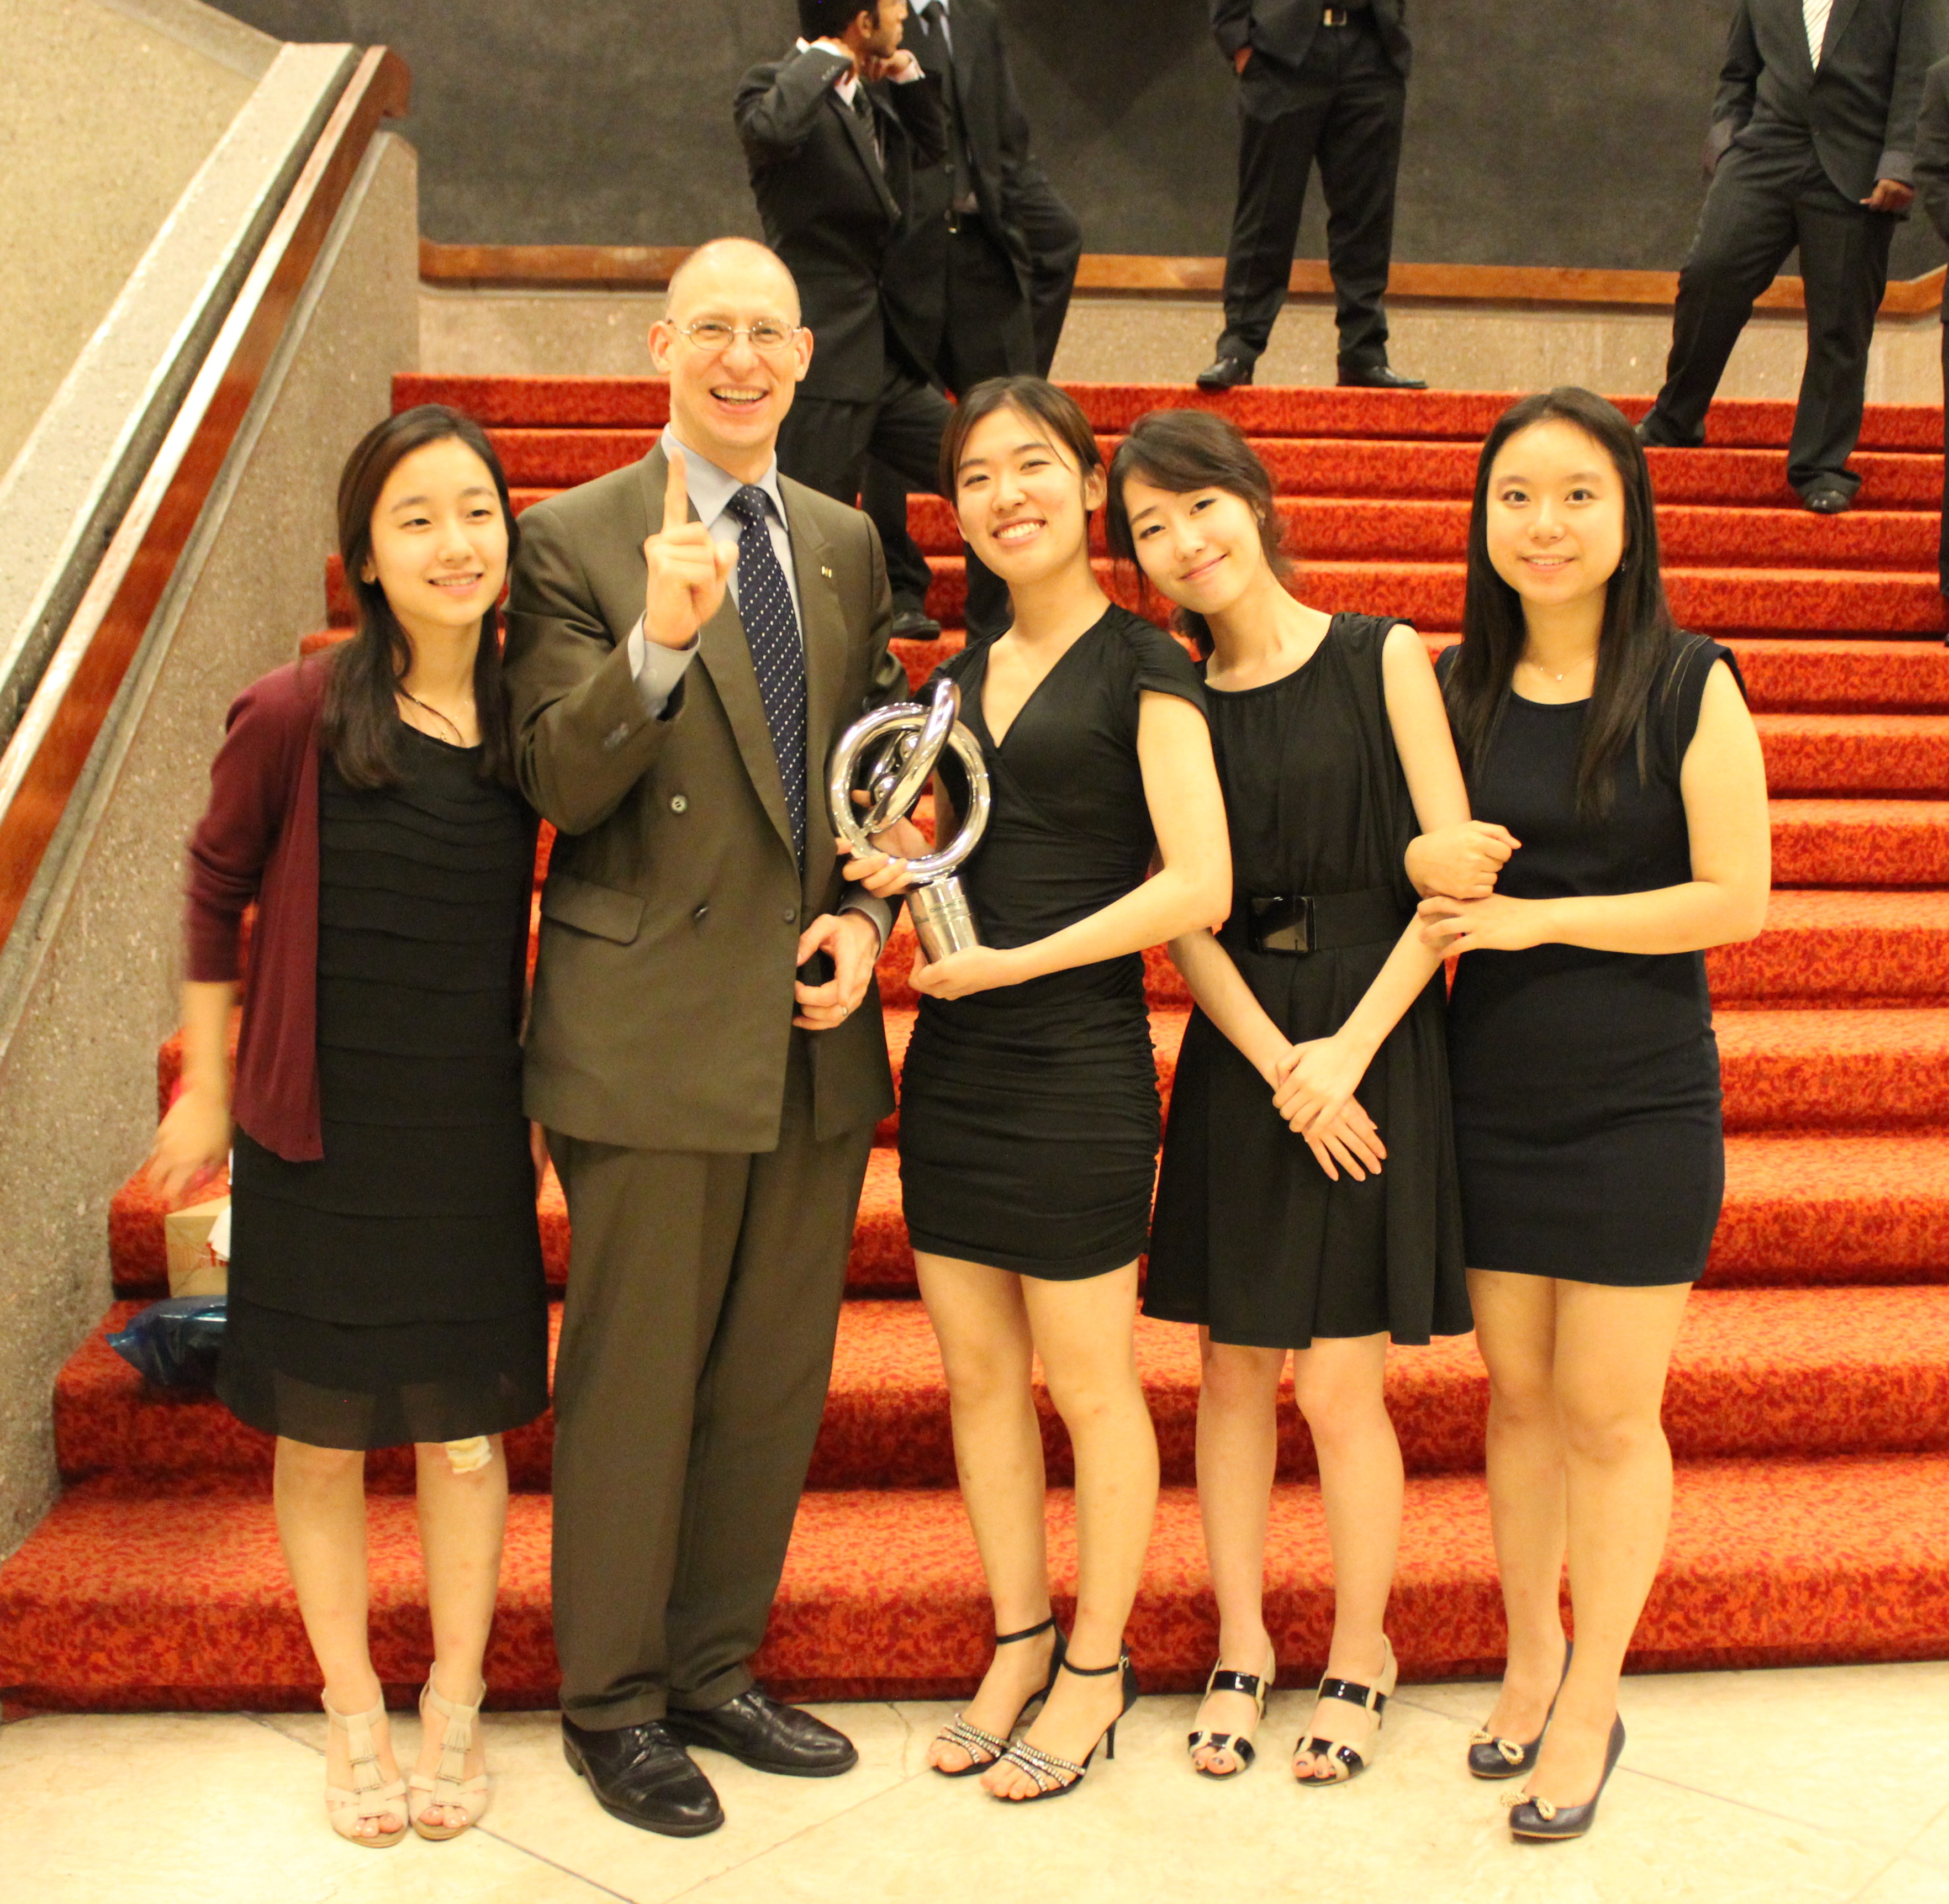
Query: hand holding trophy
point(911, 735)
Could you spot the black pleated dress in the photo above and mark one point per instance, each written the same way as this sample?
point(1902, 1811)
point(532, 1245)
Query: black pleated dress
point(1251, 1238)
point(1588, 1125)
point(1029, 1114)
point(392, 1290)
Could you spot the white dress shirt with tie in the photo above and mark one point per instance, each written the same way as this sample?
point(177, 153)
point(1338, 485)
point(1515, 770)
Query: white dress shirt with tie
point(1815, 13)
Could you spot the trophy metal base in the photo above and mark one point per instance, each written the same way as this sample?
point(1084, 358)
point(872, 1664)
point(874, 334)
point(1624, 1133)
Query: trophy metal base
point(943, 919)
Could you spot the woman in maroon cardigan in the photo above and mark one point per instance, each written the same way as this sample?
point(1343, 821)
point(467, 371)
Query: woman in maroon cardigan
point(385, 1275)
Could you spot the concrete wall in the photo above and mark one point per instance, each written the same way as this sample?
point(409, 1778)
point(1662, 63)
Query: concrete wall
point(93, 169)
point(77, 1067)
point(1540, 132)
point(1143, 340)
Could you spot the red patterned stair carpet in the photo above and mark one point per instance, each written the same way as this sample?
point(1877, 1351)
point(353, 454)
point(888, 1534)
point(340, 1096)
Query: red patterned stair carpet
point(1808, 1407)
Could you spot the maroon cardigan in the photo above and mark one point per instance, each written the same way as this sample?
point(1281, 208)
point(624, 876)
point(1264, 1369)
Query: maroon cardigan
point(258, 840)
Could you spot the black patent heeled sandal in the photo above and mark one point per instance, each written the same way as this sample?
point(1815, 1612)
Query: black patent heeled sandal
point(1238, 1744)
point(1054, 1776)
point(1491, 1757)
point(1537, 1819)
point(983, 1748)
point(1345, 1759)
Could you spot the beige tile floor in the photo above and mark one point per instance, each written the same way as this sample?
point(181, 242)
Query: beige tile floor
point(1789, 1787)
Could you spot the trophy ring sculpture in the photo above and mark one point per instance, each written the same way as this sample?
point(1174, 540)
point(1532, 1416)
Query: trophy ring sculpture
point(911, 735)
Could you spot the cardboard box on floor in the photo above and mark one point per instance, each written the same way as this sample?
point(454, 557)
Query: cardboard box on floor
point(193, 1270)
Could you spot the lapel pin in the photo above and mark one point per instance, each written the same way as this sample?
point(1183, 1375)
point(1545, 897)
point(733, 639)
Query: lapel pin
point(826, 572)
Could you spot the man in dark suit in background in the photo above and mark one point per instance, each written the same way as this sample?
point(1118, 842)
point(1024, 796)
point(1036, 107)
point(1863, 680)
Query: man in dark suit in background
point(1812, 143)
point(1324, 83)
point(985, 267)
point(1931, 184)
point(836, 134)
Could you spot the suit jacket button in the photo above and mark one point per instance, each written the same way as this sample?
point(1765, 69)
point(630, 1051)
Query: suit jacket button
point(791, 913)
point(680, 803)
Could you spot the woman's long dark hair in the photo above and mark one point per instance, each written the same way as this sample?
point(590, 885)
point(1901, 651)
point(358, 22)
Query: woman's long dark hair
point(1184, 450)
point(362, 715)
point(1638, 634)
point(1034, 397)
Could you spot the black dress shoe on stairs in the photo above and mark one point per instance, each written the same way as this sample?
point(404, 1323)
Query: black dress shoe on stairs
point(1377, 376)
point(760, 1731)
point(911, 623)
point(1227, 374)
point(642, 1775)
point(1827, 498)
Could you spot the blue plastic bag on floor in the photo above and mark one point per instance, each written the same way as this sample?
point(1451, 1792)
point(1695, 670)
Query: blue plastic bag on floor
point(174, 1343)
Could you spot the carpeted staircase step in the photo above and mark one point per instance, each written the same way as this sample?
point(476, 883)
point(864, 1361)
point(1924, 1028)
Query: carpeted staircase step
point(1856, 753)
point(1834, 1069)
point(1860, 842)
point(1840, 948)
point(1757, 1373)
point(173, 1603)
point(1809, 675)
point(1259, 409)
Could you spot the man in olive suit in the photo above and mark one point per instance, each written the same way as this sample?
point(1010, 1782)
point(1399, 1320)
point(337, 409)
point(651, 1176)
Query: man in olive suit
point(687, 639)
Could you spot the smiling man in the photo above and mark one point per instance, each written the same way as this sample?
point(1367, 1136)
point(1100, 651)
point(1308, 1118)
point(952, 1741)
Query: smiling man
point(687, 639)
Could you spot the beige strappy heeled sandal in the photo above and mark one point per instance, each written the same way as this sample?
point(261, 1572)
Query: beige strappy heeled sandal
point(449, 1787)
point(371, 1798)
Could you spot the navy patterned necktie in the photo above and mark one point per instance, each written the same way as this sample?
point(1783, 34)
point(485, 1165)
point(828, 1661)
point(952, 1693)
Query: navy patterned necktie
point(771, 627)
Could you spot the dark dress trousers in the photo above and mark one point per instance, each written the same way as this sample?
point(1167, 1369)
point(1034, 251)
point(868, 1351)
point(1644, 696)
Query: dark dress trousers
point(1793, 150)
point(1314, 92)
point(712, 1154)
point(1931, 187)
point(983, 272)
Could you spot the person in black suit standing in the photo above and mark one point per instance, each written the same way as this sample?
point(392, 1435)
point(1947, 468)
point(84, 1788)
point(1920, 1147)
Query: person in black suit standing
point(1812, 143)
point(1327, 83)
point(986, 265)
point(836, 134)
point(1931, 184)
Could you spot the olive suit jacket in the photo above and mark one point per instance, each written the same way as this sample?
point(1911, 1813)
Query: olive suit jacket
point(662, 999)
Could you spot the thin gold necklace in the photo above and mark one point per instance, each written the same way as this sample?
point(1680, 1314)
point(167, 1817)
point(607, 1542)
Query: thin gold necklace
point(460, 739)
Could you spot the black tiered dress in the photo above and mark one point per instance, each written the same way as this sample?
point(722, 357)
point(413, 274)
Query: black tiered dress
point(1029, 1113)
point(1251, 1238)
point(392, 1291)
point(1587, 1126)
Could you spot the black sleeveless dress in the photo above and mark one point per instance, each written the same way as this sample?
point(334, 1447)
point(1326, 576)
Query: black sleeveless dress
point(1587, 1126)
point(1250, 1237)
point(392, 1290)
point(1029, 1114)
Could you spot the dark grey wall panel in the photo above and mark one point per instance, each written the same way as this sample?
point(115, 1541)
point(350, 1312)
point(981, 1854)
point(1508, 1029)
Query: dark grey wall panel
point(1540, 132)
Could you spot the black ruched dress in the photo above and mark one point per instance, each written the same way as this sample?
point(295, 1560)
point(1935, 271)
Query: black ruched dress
point(1251, 1238)
point(392, 1290)
point(1588, 1125)
point(1029, 1113)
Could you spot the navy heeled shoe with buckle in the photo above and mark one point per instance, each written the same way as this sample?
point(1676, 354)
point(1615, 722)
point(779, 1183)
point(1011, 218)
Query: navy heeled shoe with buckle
point(1536, 1818)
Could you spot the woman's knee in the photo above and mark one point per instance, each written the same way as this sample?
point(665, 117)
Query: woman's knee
point(305, 1465)
point(1093, 1393)
point(1605, 1432)
point(1232, 1377)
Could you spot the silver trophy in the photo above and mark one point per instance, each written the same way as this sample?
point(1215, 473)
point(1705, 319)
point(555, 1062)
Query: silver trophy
point(910, 735)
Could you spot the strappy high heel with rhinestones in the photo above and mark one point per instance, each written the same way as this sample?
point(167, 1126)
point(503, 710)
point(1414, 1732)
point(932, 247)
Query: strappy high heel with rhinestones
point(449, 1787)
point(1054, 1776)
point(370, 1798)
point(1345, 1759)
point(1238, 1744)
point(1491, 1757)
point(983, 1748)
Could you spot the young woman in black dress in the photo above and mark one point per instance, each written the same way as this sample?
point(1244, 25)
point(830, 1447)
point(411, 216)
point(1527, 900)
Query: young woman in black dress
point(1620, 753)
point(1029, 1102)
point(386, 1278)
point(1277, 1227)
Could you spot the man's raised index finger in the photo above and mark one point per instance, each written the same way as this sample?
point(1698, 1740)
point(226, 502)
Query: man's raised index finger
point(676, 494)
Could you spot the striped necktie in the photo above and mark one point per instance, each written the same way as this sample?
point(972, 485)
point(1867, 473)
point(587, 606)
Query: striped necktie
point(771, 628)
point(1815, 12)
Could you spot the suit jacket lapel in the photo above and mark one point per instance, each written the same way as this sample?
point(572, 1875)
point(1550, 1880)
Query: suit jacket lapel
point(862, 145)
point(724, 652)
point(1843, 12)
point(823, 629)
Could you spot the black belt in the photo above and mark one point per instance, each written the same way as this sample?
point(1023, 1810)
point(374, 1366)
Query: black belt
point(1314, 921)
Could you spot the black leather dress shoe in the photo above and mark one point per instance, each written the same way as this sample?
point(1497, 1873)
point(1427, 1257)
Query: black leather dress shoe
point(1827, 498)
point(767, 1736)
point(1377, 376)
point(1227, 374)
point(642, 1774)
point(914, 624)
